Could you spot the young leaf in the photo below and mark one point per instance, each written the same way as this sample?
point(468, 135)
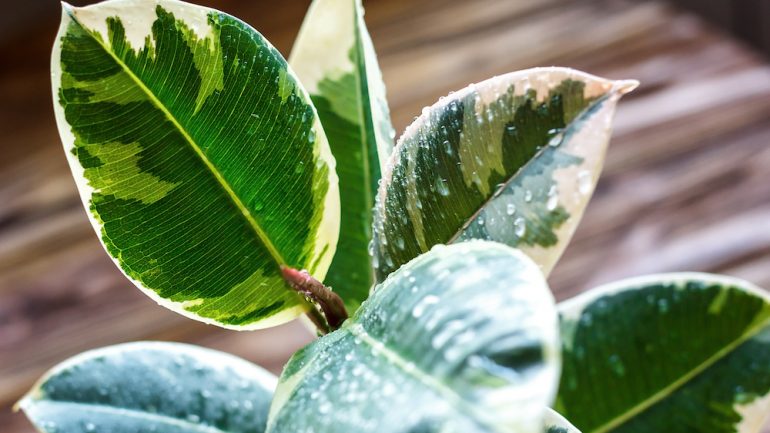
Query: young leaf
point(151, 387)
point(513, 159)
point(198, 155)
point(335, 60)
point(459, 340)
point(555, 423)
point(674, 353)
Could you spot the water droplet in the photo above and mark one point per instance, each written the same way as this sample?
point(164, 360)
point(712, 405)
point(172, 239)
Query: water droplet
point(299, 168)
point(527, 196)
point(448, 148)
point(400, 242)
point(442, 187)
point(90, 427)
point(584, 182)
point(255, 115)
point(553, 198)
point(663, 306)
point(480, 220)
point(510, 209)
point(476, 179)
point(519, 227)
point(425, 302)
point(193, 418)
point(325, 407)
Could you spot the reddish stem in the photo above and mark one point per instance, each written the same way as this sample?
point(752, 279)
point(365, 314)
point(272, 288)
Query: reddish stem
point(331, 305)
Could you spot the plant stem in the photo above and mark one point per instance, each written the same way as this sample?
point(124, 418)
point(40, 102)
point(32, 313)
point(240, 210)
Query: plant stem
point(332, 310)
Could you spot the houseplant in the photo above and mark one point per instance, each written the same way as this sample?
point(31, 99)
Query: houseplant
point(208, 173)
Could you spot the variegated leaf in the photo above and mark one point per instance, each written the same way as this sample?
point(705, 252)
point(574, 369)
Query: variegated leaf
point(459, 340)
point(151, 387)
point(555, 423)
point(676, 353)
point(513, 159)
point(198, 155)
point(335, 60)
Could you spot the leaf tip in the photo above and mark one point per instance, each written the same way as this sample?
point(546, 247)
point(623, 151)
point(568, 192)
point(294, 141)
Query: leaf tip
point(625, 86)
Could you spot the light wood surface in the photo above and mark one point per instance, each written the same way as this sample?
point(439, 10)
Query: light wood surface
point(686, 184)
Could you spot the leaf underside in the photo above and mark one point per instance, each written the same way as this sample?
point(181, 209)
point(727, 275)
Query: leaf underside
point(674, 353)
point(335, 60)
point(151, 387)
point(198, 155)
point(513, 159)
point(428, 353)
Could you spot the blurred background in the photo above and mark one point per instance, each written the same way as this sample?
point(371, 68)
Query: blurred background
point(686, 184)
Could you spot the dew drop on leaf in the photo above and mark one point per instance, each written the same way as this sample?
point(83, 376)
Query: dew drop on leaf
point(425, 302)
point(584, 182)
point(442, 187)
point(519, 227)
point(510, 209)
point(553, 198)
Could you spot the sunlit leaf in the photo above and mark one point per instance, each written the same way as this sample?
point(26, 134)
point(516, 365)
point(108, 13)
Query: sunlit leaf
point(198, 155)
point(667, 353)
point(513, 159)
point(335, 60)
point(151, 387)
point(462, 339)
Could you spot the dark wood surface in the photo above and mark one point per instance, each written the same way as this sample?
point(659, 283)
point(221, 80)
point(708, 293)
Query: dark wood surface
point(686, 185)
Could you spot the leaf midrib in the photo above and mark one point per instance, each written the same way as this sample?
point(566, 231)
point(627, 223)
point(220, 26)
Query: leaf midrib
point(277, 257)
point(513, 176)
point(676, 385)
point(137, 414)
point(357, 330)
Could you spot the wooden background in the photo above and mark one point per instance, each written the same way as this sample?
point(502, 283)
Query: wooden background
point(686, 186)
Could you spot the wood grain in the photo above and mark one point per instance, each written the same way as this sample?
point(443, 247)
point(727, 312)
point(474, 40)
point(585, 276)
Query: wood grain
point(685, 185)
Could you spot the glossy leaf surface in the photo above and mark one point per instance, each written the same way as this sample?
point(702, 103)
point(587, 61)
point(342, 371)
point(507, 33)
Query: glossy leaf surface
point(151, 387)
point(513, 159)
point(198, 155)
point(459, 340)
point(672, 352)
point(335, 60)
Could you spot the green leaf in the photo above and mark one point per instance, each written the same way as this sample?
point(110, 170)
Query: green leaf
point(335, 60)
point(151, 387)
point(513, 159)
point(667, 353)
point(462, 339)
point(555, 423)
point(198, 155)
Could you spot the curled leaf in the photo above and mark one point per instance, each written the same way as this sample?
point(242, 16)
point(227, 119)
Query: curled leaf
point(513, 159)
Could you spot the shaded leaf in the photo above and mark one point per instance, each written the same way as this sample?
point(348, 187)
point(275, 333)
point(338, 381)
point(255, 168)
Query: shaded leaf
point(335, 60)
point(151, 387)
point(513, 159)
point(462, 339)
point(198, 155)
point(671, 352)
